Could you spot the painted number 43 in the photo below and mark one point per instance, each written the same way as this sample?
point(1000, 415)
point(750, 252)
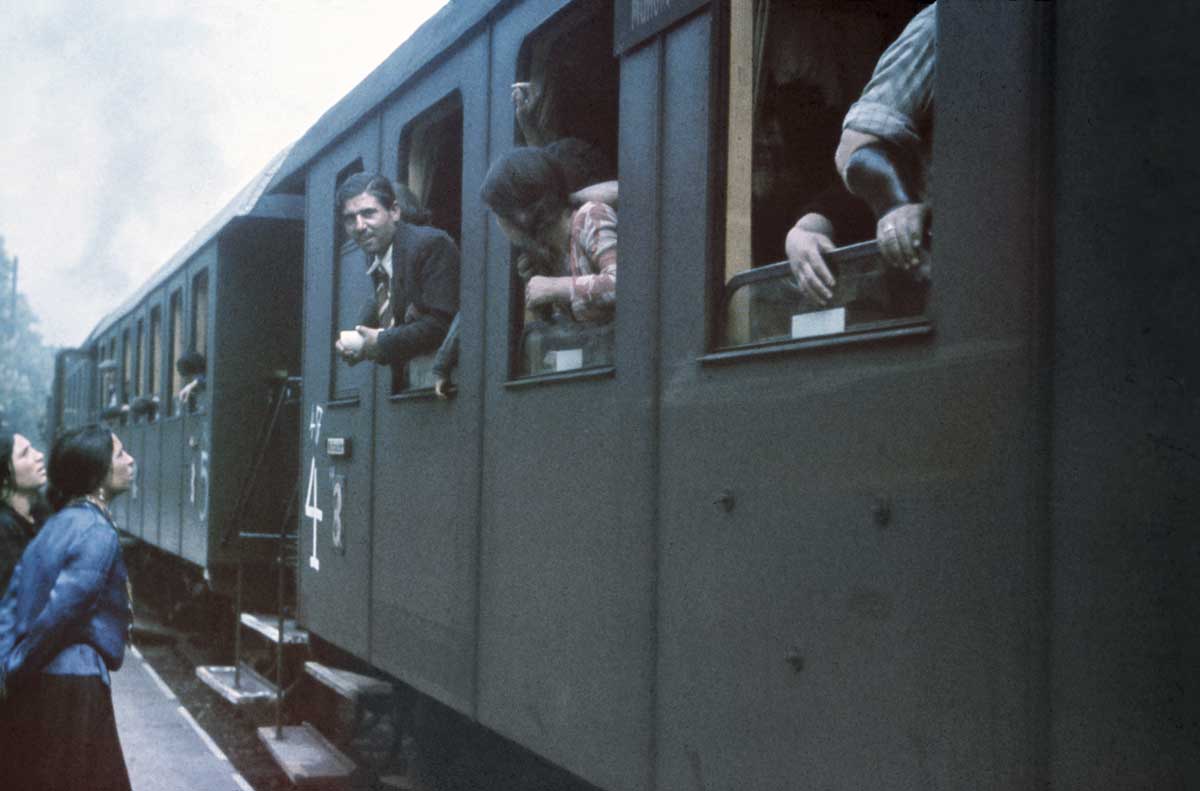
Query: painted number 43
point(313, 511)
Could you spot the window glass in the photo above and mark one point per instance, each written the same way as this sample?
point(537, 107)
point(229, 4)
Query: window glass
point(136, 375)
point(175, 350)
point(793, 71)
point(430, 166)
point(126, 370)
point(200, 313)
point(153, 359)
point(109, 396)
point(351, 290)
point(564, 254)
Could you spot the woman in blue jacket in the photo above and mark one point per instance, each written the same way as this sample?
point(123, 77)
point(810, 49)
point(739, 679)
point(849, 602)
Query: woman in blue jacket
point(63, 626)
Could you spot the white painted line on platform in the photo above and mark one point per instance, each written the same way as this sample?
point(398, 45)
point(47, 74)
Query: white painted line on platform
point(241, 782)
point(204, 737)
point(133, 650)
point(159, 682)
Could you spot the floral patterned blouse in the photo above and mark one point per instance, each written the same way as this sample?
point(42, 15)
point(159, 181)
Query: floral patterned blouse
point(592, 262)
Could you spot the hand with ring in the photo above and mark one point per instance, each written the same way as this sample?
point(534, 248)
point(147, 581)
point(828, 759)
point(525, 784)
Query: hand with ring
point(901, 234)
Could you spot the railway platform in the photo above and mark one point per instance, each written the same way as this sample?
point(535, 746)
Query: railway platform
point(165, 749)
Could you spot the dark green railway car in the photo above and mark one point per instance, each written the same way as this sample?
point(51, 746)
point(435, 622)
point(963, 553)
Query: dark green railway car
point(926, 538)
point(728, 556)
point(227, 299)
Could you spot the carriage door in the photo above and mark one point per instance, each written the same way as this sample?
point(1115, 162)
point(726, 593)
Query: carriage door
point(336, 422)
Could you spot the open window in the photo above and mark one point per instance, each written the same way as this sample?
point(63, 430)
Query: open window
point(136, 374)
point(791, 72)
point(430, 165)
point(351, 290)
point(175, 351)
point(199, 328)
point(149, 406)
point(126, 374)
point(194, 364)
point(108, 367)
point(566, 100)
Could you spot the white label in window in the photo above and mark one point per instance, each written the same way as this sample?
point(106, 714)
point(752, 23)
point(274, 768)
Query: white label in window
point(567, 359)
point(819, 322)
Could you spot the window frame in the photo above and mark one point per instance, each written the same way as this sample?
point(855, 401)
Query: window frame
point(174, 349)
point(442, 110)
point(571, 17)
point(138, 354)
point(154, 351)
point(198, 325)
point(344, 249)
point(720, 284)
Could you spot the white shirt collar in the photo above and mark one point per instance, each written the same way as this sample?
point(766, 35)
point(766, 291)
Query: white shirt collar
point(383, 262)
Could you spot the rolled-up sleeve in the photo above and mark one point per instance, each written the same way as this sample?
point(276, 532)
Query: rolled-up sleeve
point(594, 262)
point(900, 92)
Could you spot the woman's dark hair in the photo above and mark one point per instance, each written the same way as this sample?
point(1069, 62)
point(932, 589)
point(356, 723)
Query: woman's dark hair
point(527, 187)
point(79, 463)
point(380, 187)
point(7, 473)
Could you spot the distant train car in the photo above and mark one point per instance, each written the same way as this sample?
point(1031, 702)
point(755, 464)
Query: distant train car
point(934, 535)
point(226, 306)
point(73, 400)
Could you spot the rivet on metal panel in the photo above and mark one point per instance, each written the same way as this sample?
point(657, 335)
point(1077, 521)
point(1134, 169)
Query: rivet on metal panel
point(725, 500)
point(882, 511)
point(795, 659)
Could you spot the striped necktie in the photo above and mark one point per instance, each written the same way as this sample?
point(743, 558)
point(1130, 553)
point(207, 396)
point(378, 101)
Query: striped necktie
point(383, 299)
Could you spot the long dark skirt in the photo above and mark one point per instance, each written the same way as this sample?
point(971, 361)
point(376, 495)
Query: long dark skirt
point(58, 732)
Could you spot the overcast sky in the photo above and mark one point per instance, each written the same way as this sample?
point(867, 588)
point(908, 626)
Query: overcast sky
point(127, 124)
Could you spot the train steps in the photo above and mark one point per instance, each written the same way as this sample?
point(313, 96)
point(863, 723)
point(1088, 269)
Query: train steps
point(306, 757)
point(367, 692)
point(249, 686)
point(268, 627)
point(311, 759)
point(240, 689)
point(373, 734)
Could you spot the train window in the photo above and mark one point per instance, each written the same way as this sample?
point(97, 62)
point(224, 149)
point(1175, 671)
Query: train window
point(351, 291)
point(793, 72)
point(200, 314)
point(564, 288)
point(154, 360)
point(174, 351)
point(193, 365)
point(109, 398)
point(126, 369)
point(430, 165)
point(136, 375)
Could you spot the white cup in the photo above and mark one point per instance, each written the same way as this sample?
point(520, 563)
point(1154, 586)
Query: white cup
point(351, 341)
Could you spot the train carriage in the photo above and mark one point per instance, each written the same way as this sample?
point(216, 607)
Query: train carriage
point(207, 303)
point(932, 536)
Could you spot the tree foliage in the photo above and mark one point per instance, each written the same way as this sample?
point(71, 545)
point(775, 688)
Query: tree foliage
point(26, 364)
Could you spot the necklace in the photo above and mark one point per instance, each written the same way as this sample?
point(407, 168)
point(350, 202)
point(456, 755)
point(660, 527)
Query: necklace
point(98, 500)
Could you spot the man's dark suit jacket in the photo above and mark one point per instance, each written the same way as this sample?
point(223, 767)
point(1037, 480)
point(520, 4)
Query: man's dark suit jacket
point(425, 275)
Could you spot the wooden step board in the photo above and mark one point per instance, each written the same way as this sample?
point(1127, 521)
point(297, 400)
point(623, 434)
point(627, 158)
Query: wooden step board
point(305, 756)
point(352, 686)
point(268, 627)
point(250, 688)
